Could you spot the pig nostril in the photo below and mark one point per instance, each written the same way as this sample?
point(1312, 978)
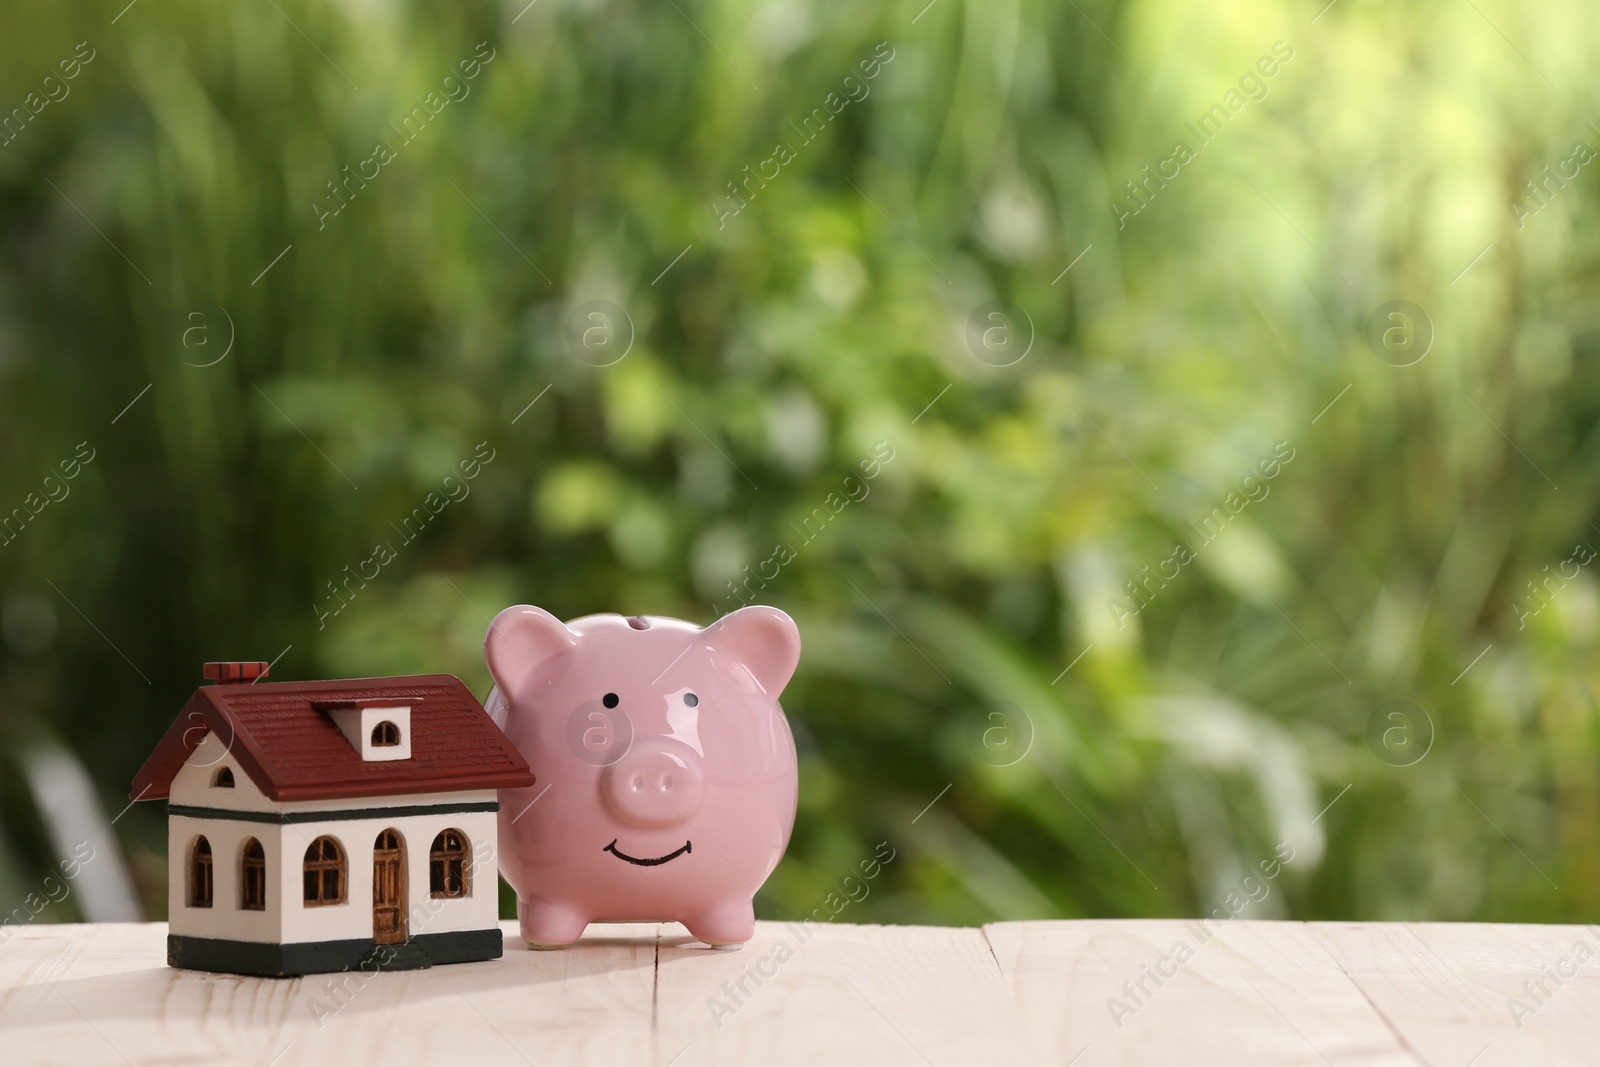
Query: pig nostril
point(638, 783)
point(666, 783)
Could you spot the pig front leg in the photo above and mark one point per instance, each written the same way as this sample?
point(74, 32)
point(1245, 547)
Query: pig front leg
point(726, 924)
point(549, 923)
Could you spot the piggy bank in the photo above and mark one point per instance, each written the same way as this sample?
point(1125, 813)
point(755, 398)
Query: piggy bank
point(665, 771)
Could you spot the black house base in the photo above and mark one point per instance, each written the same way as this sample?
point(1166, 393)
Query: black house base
point(319, 957)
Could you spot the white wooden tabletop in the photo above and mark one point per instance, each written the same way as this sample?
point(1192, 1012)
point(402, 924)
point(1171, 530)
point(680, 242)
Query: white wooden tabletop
point(1276, 993)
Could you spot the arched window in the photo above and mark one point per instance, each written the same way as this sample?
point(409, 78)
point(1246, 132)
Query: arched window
point(223, 779)
point(324, 873)
point(200, 874)
point(385, 735)
point(448, 869)
point(253, 880)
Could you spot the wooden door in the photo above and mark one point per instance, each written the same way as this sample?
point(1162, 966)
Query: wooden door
point(389, 888)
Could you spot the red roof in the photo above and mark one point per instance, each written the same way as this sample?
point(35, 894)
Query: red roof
point(293, 751)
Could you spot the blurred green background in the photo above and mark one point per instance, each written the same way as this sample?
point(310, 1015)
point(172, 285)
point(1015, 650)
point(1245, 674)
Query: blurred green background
point(1356, 630)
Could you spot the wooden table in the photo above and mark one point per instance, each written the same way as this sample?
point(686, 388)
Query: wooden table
point(1239, 992)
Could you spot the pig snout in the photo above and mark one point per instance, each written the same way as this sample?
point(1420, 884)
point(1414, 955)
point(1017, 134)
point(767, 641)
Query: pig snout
point(658, 783)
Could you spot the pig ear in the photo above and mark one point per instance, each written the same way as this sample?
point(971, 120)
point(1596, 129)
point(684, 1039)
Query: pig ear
point(763, 639)
point(519, 641)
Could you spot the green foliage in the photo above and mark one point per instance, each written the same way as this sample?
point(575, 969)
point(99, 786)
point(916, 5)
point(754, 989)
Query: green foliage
point(1204, 332)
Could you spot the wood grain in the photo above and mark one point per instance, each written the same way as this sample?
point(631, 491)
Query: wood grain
point(102, 994)
point(915, 995)
point(1253, 993)
point(1452, 990)
point(1276, 993)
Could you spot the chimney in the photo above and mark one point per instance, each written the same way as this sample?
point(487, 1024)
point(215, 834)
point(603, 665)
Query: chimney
point(235, 672)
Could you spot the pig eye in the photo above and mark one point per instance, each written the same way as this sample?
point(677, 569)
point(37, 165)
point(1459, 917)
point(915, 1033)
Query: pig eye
point(609, 700)
point(691, 700)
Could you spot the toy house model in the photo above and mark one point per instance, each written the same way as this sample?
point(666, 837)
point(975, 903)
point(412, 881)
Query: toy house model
point(319, 826)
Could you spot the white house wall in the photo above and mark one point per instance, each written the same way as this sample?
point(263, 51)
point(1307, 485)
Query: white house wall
point(224, 918)
point(286, 918)
point(191, 786)
point(427, 915)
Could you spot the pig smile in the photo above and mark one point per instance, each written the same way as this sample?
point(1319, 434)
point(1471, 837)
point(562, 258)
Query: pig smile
point(655, 862)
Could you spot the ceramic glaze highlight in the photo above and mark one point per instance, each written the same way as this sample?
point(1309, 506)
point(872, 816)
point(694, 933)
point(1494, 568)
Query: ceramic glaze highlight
point(665, 769)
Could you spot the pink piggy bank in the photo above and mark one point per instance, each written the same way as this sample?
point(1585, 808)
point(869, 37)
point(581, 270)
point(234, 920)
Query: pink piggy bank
point(665, 770)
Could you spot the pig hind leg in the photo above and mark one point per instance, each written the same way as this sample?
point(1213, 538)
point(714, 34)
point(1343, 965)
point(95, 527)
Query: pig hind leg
point(727, 923)
point(549, 923)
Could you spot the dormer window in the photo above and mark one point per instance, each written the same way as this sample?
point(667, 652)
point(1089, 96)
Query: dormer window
point(223, 779)
point(380, 730)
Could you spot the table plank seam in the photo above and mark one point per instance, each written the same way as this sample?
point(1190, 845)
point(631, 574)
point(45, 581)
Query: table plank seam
point(1400, 1038)
point(1028, 1036)
point(984, 930)
point(655, 1002)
